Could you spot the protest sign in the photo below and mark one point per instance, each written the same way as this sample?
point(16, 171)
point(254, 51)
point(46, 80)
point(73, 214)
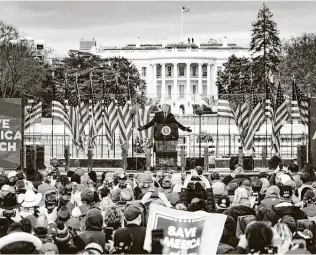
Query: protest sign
point(185, 232)
point(10, 132)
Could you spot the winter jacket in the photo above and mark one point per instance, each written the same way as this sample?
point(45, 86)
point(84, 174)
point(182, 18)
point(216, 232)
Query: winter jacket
point(138, 239)
point(282, 209)
point(224, 248)
point(310, 212)
point(240, 210)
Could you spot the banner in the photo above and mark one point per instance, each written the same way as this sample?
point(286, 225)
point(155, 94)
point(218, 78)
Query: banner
point(10, 132)
point(312, 131)
point(185, 232)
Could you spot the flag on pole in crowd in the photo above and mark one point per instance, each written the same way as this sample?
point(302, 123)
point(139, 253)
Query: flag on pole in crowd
point(185, 9)
point(223, 107)
point(33, 114)
point(302, 101)
point(256, 119)
point(280, 116)
point(295, 113)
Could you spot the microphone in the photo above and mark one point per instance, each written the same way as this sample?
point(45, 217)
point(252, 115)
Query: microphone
point(134, 110)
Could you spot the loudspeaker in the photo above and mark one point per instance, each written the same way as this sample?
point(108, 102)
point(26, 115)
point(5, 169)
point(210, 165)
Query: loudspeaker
point(191, 163)
point(40, 152)
point(30, 155)
point(248, 163)
point(136, 163)
point(301, 156)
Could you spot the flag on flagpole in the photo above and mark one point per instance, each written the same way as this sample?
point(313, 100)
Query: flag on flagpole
point(33, 114)
point(280, 117)
point(223, 107)
point(295, 112)
point(256, 119)
point(302, 101)
point(185, 9)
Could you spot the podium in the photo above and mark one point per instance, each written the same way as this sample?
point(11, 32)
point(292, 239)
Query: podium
point(166, 155)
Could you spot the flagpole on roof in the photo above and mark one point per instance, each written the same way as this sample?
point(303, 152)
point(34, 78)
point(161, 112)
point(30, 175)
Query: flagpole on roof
point(181, 38)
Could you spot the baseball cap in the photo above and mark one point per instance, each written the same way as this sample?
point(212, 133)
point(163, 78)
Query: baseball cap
point(132, 212)
point(223, 202)
point(122, 239)
point(286, 191)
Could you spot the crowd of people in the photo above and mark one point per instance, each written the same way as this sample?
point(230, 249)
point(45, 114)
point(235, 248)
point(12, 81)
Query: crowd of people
point(79, 212)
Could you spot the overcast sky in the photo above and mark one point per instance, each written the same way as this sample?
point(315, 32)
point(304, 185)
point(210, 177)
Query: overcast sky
point(63, 24)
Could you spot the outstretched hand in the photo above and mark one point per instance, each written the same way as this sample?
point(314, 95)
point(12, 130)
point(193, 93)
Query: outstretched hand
point(140, 128)
point(189, 129)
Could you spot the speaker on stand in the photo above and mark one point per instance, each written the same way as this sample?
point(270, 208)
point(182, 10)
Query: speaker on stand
point(31, 155)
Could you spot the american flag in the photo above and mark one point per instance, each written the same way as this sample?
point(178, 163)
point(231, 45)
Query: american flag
point(59, 110)
point(303, 106)
point(280, 116)
point(125, 119)
point(33, 114)
point(83, 116)
point(223, 107)
point(95, 113)
point(269, 104)
point(142, 118)
point(295, 112)
point(256, 119)
point(103, 123)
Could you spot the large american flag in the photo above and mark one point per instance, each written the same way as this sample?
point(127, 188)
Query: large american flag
point(59, 110)
point(295, 112)
point(280, 116)
point(223, 107)
point(142, 118)
point(33, 114)
point(95, 114)
point(256, 119)
point(269, 105)
point(83, 117)
point(125, 119)
point(303, 106)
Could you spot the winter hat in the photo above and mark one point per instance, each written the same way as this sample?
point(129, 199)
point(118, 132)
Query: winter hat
point(123, 239)
point(79, 171)
point(132, 212)
point(20, 186)
point(19, 243)
point(87, 195)
point(9, 201)
point(11, 174)
point(32, 219)
point(42, 221)
point(174, 197)
point(309, 198)
point(94, 248)
point(63, 214)
point(231, 187)
point(40, 232)
point(146, 177)
point(49, 248)
point(73, 223)
point(76, 212)
point(85, 180)
point(239, 170)
point(62, 233)
point(127, 194)
point(286, 191)
point(94, 219)
point(273, 191)
point(223, 202)
point(219, 188)
point(76, 178)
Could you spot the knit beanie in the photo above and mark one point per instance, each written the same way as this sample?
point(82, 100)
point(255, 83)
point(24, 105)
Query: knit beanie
point(49, 248)
point(62, 233)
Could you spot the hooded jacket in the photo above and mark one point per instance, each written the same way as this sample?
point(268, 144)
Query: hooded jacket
point(240, 210)
point(93, 232)
point(282, 209)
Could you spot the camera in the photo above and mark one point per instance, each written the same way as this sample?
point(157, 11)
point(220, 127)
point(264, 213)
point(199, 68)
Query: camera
point(9, 213)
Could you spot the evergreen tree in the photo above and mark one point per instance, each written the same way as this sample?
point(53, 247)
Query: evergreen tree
point(266, 48)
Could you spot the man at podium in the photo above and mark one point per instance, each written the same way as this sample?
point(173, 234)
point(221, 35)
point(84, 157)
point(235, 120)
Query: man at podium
point(166, 126)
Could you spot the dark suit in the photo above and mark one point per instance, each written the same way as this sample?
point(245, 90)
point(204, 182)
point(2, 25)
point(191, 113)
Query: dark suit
point(160, 120)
